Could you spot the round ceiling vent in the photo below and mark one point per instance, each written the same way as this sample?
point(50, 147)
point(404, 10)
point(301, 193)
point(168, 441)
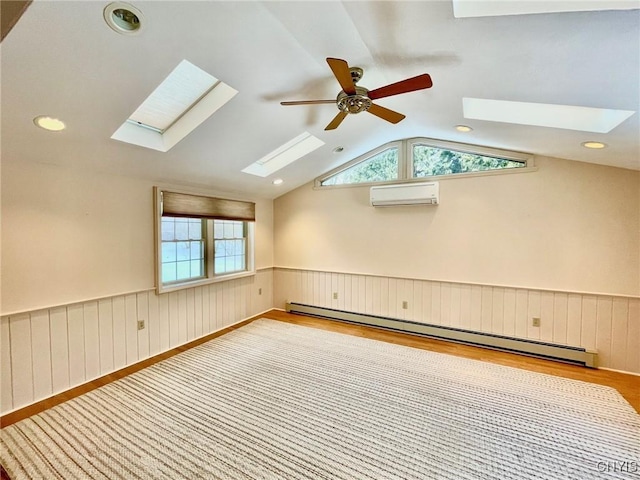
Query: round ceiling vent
point(123, 18)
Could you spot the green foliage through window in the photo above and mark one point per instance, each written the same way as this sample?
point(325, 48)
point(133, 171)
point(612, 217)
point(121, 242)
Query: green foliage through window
point(379, 168)
point(431, 161)
point(415, 158)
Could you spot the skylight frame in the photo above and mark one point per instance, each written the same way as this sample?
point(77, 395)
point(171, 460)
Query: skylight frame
point(487, 8)
point(284, 155)
point(163, 138)
point(566, 117)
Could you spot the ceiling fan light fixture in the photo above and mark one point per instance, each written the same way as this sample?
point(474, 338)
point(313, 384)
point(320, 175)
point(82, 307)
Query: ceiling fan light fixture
point(463, 128)
point(123, 18)
point(594, 145)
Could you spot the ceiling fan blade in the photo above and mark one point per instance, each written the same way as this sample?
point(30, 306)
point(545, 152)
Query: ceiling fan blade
point(337, 120)
point(409, 85)
point(385, 113)
point(308, 102)
point(340, 69)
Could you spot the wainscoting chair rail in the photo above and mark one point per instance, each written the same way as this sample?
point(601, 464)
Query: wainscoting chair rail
point(550, 351)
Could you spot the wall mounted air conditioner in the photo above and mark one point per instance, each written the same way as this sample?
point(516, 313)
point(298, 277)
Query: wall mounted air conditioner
point(405, 194)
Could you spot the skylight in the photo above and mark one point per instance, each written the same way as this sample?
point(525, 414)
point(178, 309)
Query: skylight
point(174, 96)
point(185, 99)
point(485, 8)
point(284, 155)
point(587, 119)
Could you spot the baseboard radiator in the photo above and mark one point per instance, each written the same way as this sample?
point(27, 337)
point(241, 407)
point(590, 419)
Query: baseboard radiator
point(549, 351)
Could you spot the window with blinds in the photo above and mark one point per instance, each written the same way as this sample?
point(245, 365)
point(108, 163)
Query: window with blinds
point(201, 239)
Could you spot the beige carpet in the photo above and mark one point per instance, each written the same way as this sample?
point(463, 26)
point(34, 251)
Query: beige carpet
point(279, 401)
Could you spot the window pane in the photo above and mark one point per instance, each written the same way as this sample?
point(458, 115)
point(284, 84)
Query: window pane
point(168, 272)
point(184, 244)
point(182, 251)
point(381, 167)
point(196, 268)
point(195, 229)
point(430, 161)
point(168, 252)
point(229, 264)
point(182, 229)
point(182, 260)
point(219, 266)
point(168, 228)
point(218, 229)
point(195, 250)
point(230, 244)
point(183, 270)
point(219, 248)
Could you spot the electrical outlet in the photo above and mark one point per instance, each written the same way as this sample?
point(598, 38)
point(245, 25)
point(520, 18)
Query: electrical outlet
point(335, 295)
point(140, 324)
point(535, 321)
point(405, 304)
point(259, 291)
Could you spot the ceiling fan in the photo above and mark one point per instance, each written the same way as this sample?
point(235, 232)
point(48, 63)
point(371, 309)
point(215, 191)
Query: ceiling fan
point(355, 99)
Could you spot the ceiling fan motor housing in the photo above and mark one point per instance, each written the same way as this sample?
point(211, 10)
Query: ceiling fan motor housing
point(360, 102)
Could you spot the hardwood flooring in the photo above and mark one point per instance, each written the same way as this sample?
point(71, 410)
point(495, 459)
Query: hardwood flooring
point(627, 385)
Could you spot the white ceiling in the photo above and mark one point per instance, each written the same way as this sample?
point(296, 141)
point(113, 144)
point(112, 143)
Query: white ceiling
point(62, 60)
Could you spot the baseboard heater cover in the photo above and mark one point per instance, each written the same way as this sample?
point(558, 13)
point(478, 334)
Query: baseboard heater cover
point(550, 351)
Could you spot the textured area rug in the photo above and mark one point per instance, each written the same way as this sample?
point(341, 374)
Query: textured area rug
point(279, 401)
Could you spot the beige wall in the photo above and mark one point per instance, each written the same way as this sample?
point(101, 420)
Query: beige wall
point(70, 235)
point(569, 226)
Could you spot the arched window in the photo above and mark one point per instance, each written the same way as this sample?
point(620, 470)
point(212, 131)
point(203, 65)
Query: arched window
point(376, 166)
point(419, 158)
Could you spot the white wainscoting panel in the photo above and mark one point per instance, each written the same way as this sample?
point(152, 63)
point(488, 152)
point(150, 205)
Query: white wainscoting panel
point(610, 325)
point(46, 352)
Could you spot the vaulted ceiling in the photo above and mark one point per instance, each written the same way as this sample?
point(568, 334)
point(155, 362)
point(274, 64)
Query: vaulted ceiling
point(61, 59)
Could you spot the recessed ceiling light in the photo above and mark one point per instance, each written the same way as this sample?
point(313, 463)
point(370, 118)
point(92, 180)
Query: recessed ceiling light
point(278, 181)
point(123, 18)
point(48, 123)
point(594, 145)
point(463, 128)
point(338, 149)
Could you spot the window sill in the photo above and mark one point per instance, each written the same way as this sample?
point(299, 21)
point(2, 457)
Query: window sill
point(204, 281)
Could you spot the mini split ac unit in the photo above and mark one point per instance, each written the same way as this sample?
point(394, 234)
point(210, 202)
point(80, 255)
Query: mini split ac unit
point(405, 194)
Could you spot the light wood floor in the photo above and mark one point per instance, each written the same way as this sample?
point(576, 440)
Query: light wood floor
point(627, 385)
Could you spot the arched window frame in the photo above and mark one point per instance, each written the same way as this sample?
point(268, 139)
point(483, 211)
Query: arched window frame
point(402, 168)
point(405, 162)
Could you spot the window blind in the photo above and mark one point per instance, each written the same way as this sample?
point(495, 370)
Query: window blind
point(184, 205)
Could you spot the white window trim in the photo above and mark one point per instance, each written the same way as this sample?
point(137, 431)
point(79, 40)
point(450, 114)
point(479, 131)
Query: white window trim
point(405, 162)
point(211, 276)
point(371, 153)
